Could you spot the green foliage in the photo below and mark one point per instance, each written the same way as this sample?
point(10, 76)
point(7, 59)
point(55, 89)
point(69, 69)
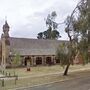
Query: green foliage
point(51, 32)
point(50, 21)
point(40, 35)
point(66, 53)
point(82, 26)
point(17, 60)
point(55, 34)
point(48, 33)
point(83, 49)
point(62, 54)
point(77, 26)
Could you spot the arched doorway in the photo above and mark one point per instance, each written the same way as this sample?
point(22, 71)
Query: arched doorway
point(38, 60)
point(48, 60)
point(26, 60)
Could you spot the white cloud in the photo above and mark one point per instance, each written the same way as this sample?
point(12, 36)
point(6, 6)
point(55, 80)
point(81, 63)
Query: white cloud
point(26, 17)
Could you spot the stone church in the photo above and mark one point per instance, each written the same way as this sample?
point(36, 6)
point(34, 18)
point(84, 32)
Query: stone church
point(38, 51)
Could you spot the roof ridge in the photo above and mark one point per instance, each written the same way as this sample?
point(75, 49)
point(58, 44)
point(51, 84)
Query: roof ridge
point(37, 39)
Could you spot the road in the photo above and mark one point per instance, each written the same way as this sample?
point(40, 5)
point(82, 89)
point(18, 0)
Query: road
point(81, 83)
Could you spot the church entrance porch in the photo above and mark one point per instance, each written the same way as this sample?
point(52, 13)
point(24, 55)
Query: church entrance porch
point(26, 60)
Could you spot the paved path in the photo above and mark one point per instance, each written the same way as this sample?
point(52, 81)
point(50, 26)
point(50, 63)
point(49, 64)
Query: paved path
point(82, 83)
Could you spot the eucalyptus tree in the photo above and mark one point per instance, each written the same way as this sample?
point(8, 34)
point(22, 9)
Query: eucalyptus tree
point(82, 26)
point(52, 26)
point(77, 26)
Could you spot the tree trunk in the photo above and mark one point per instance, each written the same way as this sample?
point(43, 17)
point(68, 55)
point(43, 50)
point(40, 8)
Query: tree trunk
point(66, 70)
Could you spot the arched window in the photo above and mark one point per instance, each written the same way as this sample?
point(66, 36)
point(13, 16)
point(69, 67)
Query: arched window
point(48, 60)
point(38, 60)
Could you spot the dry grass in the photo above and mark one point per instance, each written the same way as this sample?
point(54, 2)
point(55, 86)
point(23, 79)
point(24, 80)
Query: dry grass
point(39, 70)
point(42, 70)
point(31, 81)
point(35, 71)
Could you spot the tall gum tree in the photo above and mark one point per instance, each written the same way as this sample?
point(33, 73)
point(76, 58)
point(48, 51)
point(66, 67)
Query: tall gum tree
point(77, 25)
point(52, 25)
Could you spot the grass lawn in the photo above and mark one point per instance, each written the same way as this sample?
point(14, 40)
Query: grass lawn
point(36, 71)
point(42, 70)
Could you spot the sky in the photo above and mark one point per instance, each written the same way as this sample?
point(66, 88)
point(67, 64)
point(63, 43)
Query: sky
point(26, 18)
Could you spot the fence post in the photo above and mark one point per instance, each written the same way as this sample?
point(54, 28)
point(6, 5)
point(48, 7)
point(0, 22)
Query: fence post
point(16, 78)
point(6, 73)
point(3, 72)
point(9, 73)
point(3, 83)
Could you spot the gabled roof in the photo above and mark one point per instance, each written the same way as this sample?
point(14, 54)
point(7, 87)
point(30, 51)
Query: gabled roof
point(25, 46)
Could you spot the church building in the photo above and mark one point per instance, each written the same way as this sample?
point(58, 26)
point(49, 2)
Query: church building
point(37, 51)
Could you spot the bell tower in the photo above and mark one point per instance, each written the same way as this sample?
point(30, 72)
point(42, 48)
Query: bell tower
point(5, 45)
point(6, 29)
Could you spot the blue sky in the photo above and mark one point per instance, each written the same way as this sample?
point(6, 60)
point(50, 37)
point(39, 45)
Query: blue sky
point(27, 17)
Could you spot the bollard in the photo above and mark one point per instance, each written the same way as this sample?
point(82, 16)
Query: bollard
point(3, 72)
point(14, 73)
point(9, 74)
point(6, 73)
point(3, 83)
point(15, 81)
point(16, 78)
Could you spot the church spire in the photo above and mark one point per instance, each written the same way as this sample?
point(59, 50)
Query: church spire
point(6, 29)
point(6, 26)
